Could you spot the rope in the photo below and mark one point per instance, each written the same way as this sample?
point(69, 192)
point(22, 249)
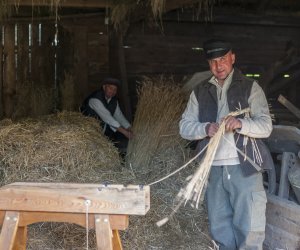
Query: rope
point(87, 204)
point(179, 169)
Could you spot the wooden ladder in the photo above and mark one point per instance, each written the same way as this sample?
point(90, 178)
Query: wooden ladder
point(109, 206)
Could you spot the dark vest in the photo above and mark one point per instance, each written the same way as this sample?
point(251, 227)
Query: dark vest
point(99, 94)
point(237, 97)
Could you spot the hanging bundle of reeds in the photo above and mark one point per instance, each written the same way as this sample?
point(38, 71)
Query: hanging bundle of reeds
point(196, 185)
point(160, 105)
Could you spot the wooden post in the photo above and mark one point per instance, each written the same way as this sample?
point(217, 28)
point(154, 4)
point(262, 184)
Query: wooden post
point(103, 232)
point(117, 67)
point(21, 238)
point(1, 80)
point(9, 77)
point(291, 107)
point(9, 230)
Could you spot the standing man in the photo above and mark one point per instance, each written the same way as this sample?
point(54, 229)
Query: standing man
point(236, 199)
point(104, 106)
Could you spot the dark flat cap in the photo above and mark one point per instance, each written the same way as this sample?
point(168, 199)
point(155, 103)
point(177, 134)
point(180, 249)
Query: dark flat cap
point(214, 48)
point(111, 81)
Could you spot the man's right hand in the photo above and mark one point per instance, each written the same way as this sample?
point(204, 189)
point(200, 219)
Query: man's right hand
point(211, 129)
point(126, 132)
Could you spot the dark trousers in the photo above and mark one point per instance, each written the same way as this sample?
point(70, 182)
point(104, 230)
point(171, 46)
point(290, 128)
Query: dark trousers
point(119, 140)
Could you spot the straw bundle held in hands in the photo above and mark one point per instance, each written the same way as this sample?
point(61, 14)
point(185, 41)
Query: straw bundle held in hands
point(193, 190)
point(160, 105)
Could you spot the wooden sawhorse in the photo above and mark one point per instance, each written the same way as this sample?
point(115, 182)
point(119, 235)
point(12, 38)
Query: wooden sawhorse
point(106, 207)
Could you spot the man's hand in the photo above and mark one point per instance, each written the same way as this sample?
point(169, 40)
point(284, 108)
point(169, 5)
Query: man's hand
point(231, 123)
point(211, 129)
point(126, 132)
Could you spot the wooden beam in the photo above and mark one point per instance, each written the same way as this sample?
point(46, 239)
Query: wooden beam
point(117, 222)
point(291, 107)
point(176, 4)
point(170, 5)
point(63, 3)
point(71, 198)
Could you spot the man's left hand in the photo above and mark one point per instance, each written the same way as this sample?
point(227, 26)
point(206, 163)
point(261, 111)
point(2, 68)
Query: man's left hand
point(231, 123)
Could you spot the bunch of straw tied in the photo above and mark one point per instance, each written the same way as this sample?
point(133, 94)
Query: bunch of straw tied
point(68, 147)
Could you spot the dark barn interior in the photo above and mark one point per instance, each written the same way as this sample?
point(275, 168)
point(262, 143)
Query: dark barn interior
point(66, 50)
point(55, 53)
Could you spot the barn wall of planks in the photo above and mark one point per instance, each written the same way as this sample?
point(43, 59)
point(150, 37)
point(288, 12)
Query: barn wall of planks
point(47, 68)
point(86, 52)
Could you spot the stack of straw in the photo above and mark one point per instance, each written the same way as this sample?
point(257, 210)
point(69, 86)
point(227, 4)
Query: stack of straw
point(66, 147)
point(160, 105)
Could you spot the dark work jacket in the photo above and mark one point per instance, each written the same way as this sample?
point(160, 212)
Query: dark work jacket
point(237, 97)
point(99, 94)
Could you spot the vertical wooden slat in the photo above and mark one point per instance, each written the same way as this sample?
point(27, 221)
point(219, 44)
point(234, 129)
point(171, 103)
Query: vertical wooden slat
point(103, 232)
point(9, 230)
point(23, 86)
point(9, 87)
point(1, 75)
point(21, 238)
point(116, 241)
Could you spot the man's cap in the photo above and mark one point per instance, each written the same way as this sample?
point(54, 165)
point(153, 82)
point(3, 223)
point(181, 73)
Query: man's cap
point(214, 48)
point(111, 81)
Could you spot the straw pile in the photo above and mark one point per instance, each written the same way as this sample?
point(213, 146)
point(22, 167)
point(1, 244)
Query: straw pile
point(64, 147)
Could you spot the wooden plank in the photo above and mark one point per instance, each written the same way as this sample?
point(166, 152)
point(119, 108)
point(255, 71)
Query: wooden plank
point(117, 222)
point(116, 240)
point(9, 76)
point(70, 198)
point(291, 107)
point(9, 230)
point(65, 3)
point(285, 208)
point(283, 224)
point(21, 238)
point(103, 232)
point(276, 238)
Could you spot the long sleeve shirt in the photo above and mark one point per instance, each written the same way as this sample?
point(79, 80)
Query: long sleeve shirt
point(259, 125)
point(114, 121)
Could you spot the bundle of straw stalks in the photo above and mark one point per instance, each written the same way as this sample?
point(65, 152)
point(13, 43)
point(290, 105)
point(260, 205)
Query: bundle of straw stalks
point(160, 105)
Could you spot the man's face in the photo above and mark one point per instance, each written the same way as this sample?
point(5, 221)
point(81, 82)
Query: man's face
point(222, 66)
point(110, 90)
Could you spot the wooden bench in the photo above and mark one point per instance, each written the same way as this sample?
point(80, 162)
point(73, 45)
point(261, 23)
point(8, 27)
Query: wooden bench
point(103, 207)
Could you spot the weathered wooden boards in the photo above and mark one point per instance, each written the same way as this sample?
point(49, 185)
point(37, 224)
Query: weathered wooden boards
point(104, 207)
point(70, 198)
point(283, 224)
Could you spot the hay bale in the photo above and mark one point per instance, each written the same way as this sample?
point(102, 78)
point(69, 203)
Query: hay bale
point(65, 147)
